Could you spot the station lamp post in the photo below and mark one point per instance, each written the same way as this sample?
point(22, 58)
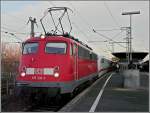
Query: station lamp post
point(130, 34)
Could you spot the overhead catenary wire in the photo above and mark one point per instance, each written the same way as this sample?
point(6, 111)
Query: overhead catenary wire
point(107, 38)
point(115, 36)
point(16, 32)
point(92, 26)
point(87, 24)
point(80, 31)
point(81, 17)
point(18, 19)
point(12, 30)
point(84, 20)
point(72, 22)
point(109, 13)
point(52, 3)
point(5, 29)
point(12, 34)
point(108, 48)
point(107, 29)
point(113, 18)
point(76, 26)
point(97, 41)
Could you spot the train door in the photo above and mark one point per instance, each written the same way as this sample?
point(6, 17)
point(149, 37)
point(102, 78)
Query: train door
point(75, 54)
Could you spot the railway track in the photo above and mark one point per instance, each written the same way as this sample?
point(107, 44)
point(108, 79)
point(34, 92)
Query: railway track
point(50, 107)
point(43, 106)
point(40, 106)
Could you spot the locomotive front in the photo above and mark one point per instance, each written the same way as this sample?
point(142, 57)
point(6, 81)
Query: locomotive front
point(45, 66)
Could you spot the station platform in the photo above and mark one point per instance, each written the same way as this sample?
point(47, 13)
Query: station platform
point(114, 98)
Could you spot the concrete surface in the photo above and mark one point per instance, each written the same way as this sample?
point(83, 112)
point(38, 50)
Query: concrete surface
point(115, 97)
point(131, 78)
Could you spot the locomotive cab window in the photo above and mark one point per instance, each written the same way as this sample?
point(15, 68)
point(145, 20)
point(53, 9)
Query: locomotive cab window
point(71, 50)
point(74, 49)
point(56, 47)
point(29, 48)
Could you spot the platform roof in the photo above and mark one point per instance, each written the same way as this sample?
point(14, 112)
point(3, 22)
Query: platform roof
point(135, 55)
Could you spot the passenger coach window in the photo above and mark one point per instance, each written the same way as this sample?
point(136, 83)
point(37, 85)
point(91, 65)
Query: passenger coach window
point(102, 60)
point(30, 48)
point(56, 48)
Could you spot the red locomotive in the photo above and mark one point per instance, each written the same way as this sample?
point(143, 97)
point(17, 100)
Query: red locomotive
point(55, 65)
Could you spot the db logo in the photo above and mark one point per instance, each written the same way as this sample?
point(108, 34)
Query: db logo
point(38, 71)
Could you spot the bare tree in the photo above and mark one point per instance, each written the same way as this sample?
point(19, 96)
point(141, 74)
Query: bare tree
point(10, 57)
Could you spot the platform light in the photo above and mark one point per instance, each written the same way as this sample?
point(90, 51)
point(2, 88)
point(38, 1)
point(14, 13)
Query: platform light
point(130, 13)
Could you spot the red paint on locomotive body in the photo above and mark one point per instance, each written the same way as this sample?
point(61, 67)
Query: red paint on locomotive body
point(70, 66)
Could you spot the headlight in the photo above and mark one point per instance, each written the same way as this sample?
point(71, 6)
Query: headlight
point(42, 37)
point(23, 74)
point(56, 74)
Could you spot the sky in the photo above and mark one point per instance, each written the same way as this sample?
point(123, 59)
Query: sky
point(103, 16)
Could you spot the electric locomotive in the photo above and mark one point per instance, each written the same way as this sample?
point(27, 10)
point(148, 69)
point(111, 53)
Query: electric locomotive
point(55, 64)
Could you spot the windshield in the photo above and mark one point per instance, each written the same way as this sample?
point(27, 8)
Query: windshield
point(30, 48)
point(57, 48)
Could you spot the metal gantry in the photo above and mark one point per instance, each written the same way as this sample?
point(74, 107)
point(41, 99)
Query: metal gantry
point(129, 33)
